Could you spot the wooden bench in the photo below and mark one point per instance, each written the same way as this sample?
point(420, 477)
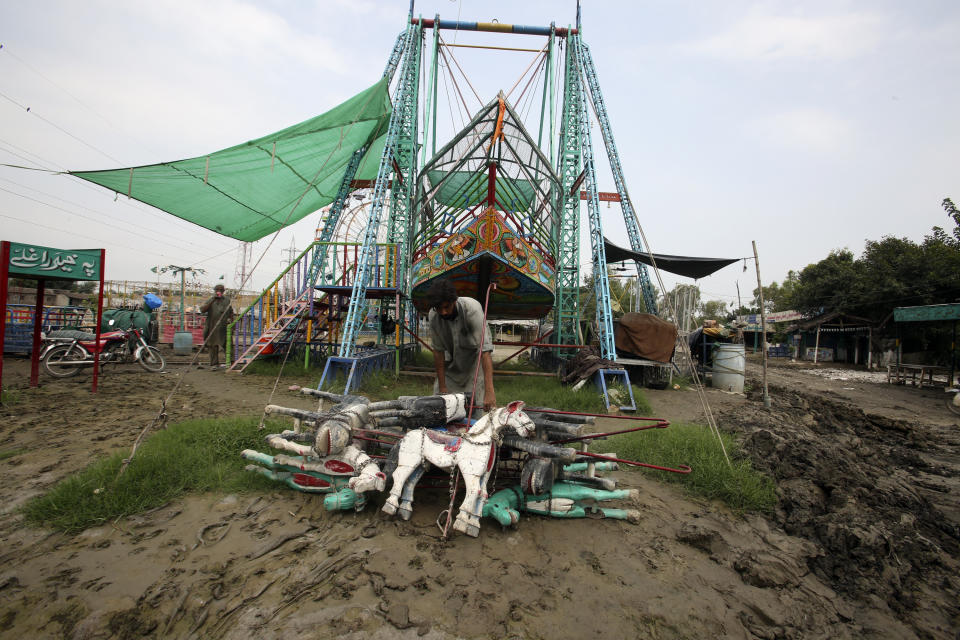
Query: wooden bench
point(919, 374)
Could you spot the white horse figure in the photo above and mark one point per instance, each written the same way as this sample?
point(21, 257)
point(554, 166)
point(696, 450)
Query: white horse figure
point(474, 453)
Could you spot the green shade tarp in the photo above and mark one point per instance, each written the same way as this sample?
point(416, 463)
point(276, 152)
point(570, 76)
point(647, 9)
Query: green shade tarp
point(253, 189)
point(465, 189)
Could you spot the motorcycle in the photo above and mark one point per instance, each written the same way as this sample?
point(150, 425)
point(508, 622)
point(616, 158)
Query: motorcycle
point(953, 398)
point(66, 353)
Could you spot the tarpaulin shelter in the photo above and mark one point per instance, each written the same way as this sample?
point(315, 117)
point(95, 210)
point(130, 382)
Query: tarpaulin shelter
point(42, 264)
point(645, 336)
point(689, 266)
point(255, 188)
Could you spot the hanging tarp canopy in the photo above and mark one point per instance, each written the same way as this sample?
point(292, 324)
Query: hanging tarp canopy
point(688, 266)
point(253, 189)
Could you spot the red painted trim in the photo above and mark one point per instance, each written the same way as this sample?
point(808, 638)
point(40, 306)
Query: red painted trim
point(37, 326)
point(4, 264)
point(97, 346)
point(492, 180)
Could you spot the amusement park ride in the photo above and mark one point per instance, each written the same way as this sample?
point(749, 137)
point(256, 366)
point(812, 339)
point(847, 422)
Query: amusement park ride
point(496, 205)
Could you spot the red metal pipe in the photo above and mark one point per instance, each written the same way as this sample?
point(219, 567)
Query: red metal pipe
point(516, 353)
point(492, 182)
point(419, 339)
point(4, 268)
point(98, 347)
point(37, 328)
point(683, 468)
point(539, 344)
point(594, 415)
point(663, 424)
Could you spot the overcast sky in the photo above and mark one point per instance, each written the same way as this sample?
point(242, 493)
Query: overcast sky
point(804, 126)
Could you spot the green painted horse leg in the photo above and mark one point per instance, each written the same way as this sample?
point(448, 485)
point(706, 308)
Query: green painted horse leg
point(503, 506)
point(344, 499)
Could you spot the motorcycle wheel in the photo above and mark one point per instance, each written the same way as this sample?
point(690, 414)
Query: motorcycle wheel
point(64, 361)
point(151, 359)
point(953, 402)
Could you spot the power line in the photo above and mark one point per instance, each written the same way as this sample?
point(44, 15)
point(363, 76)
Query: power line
point(74, 213)
point(59, 128)
point(138, 230)
point(6, 50)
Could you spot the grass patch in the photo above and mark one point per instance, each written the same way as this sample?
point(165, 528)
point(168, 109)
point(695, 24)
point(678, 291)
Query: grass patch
point(10, 396)
point(292, 369)
point(12, 453)
point(189, 457)
point(742, 488)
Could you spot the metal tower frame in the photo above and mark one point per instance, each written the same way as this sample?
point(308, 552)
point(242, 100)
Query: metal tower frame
point(567, 297)
point(401, 136)
point(601, 283)
point(629, 215)
point(574, 159)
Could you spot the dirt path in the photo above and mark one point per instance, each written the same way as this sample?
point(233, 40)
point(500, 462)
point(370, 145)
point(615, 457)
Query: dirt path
point(864, 542)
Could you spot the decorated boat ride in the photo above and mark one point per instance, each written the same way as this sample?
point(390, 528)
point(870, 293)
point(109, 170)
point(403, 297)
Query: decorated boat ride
point(486, 207)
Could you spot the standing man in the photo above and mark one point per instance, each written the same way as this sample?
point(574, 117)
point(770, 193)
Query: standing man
point(459, 336)
point(219, 315)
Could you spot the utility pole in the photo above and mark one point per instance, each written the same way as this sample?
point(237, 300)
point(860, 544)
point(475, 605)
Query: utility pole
point(174, 269)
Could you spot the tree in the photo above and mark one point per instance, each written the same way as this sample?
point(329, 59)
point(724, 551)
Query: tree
point(826, 285)
point(891, 272)
point(777, 297)
point(939, 235)
point(712, 310)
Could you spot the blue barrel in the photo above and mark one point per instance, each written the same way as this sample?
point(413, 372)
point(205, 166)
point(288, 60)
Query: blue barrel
point(183, 343)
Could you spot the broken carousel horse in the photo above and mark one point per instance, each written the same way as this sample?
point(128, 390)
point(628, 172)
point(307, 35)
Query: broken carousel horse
point(563, 500)
point(326, 460)
point(334, 464)
point(474, 453)
point(548, 461)
point(559, 481)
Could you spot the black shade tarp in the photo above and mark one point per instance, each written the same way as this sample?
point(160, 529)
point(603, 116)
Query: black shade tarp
point(688, 266)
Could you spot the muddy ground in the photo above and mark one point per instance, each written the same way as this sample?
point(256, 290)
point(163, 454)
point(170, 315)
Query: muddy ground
point(864, 541)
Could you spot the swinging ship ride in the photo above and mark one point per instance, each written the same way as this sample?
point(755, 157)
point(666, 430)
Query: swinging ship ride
point(486, 217)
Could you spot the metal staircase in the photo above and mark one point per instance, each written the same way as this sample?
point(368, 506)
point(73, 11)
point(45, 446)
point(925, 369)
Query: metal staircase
point(290, 315)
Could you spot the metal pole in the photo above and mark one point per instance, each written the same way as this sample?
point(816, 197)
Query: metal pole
point(96, 349)
point(37, 328)
point(4, 269)
point(183, 284)
point(763, 327)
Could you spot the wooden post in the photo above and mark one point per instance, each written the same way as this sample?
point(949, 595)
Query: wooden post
point(816, 346)
point(763, 327)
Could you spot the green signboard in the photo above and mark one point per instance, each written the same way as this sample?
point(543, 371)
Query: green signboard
point(928, 313)
point(35, 261)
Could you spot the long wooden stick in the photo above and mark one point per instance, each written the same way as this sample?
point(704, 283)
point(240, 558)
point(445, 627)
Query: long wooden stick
point(763, 327)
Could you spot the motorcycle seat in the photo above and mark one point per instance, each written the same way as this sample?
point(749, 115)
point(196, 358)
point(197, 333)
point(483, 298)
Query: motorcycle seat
point(72, 334)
